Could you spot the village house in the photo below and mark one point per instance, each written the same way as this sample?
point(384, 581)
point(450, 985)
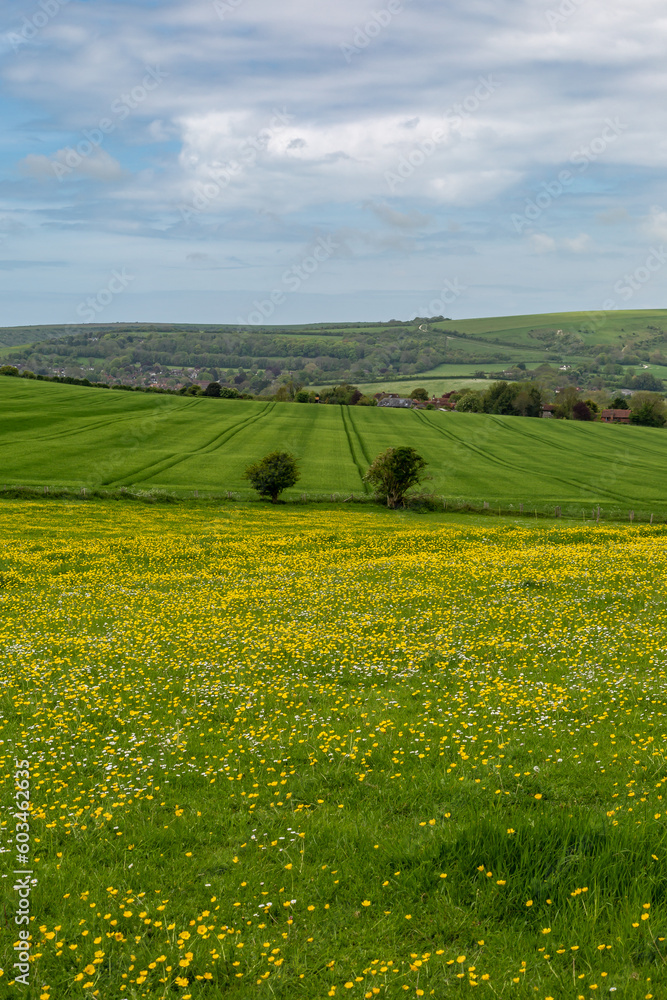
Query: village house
point(548, 410)
point(615, 416)
point(397, 402)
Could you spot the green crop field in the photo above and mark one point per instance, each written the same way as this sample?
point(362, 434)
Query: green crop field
point(53, 434)
point(283, 753)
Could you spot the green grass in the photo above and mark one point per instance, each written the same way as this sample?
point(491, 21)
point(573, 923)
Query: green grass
point(429, 381)
point(614, 328)
point(52, 434)
point(436, 747)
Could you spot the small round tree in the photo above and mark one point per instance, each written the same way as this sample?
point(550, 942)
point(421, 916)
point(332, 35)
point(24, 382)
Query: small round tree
point(273, 474)
point(394, 472)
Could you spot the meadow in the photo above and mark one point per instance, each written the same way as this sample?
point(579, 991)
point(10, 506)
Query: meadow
point(285, 752)
point(53, 435)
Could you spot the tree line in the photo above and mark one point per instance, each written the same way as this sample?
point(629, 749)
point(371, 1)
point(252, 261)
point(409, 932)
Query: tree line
point(520, 399)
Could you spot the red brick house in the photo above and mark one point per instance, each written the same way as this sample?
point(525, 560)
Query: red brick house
point(615, 416)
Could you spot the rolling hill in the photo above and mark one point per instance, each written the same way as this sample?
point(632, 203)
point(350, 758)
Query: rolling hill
point(588, 348)
point(53, 434)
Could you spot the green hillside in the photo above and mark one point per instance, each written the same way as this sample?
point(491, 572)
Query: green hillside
point(597, 348)
point(54, 434)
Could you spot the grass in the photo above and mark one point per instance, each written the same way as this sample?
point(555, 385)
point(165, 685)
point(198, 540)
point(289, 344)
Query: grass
point(285, 753)
point(58, 435)
point(436, 384)
point(617, 327)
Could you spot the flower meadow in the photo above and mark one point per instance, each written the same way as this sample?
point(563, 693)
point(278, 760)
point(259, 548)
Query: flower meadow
point(296, 752)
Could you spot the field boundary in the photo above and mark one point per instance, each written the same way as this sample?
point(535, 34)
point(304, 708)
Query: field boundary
point(418, 502)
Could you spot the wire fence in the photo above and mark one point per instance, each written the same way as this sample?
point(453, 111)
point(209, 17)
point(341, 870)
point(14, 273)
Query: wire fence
point(421, 502)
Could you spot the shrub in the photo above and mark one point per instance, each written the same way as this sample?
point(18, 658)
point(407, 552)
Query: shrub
point(273, 474)
point(580, 411)
point(393, 473)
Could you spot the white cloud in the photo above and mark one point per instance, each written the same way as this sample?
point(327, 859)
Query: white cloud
point(541, 243)
point(348, 125)
point(579, 243)
point(655, 225)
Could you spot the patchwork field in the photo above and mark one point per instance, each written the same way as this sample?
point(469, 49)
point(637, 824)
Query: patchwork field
point(54, 434)
point(290, 753)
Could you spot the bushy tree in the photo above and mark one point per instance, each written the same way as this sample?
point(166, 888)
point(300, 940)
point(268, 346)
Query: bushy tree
point(648, 410)
point(272, 474)
point(499, 398)
point(420, 394)
point(394, 472)
point(342, 395)
point(580, 411)
point(470, 402)
point(645, 380)
point(212, 389)
point(513, 399)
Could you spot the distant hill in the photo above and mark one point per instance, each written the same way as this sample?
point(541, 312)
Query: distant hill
point(585, 349)
point(52, 434)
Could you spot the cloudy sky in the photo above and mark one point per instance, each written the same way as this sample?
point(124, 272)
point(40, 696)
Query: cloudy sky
point(238, 161)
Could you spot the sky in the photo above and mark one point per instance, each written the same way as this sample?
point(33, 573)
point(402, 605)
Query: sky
point(247, 161)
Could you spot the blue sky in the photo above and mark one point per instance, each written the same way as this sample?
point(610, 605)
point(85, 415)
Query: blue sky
point(242, 160)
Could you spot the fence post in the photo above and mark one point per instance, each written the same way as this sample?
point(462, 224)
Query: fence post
point(598, 515)
point(486, 505)
point(632, 515)
point(521, 508)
